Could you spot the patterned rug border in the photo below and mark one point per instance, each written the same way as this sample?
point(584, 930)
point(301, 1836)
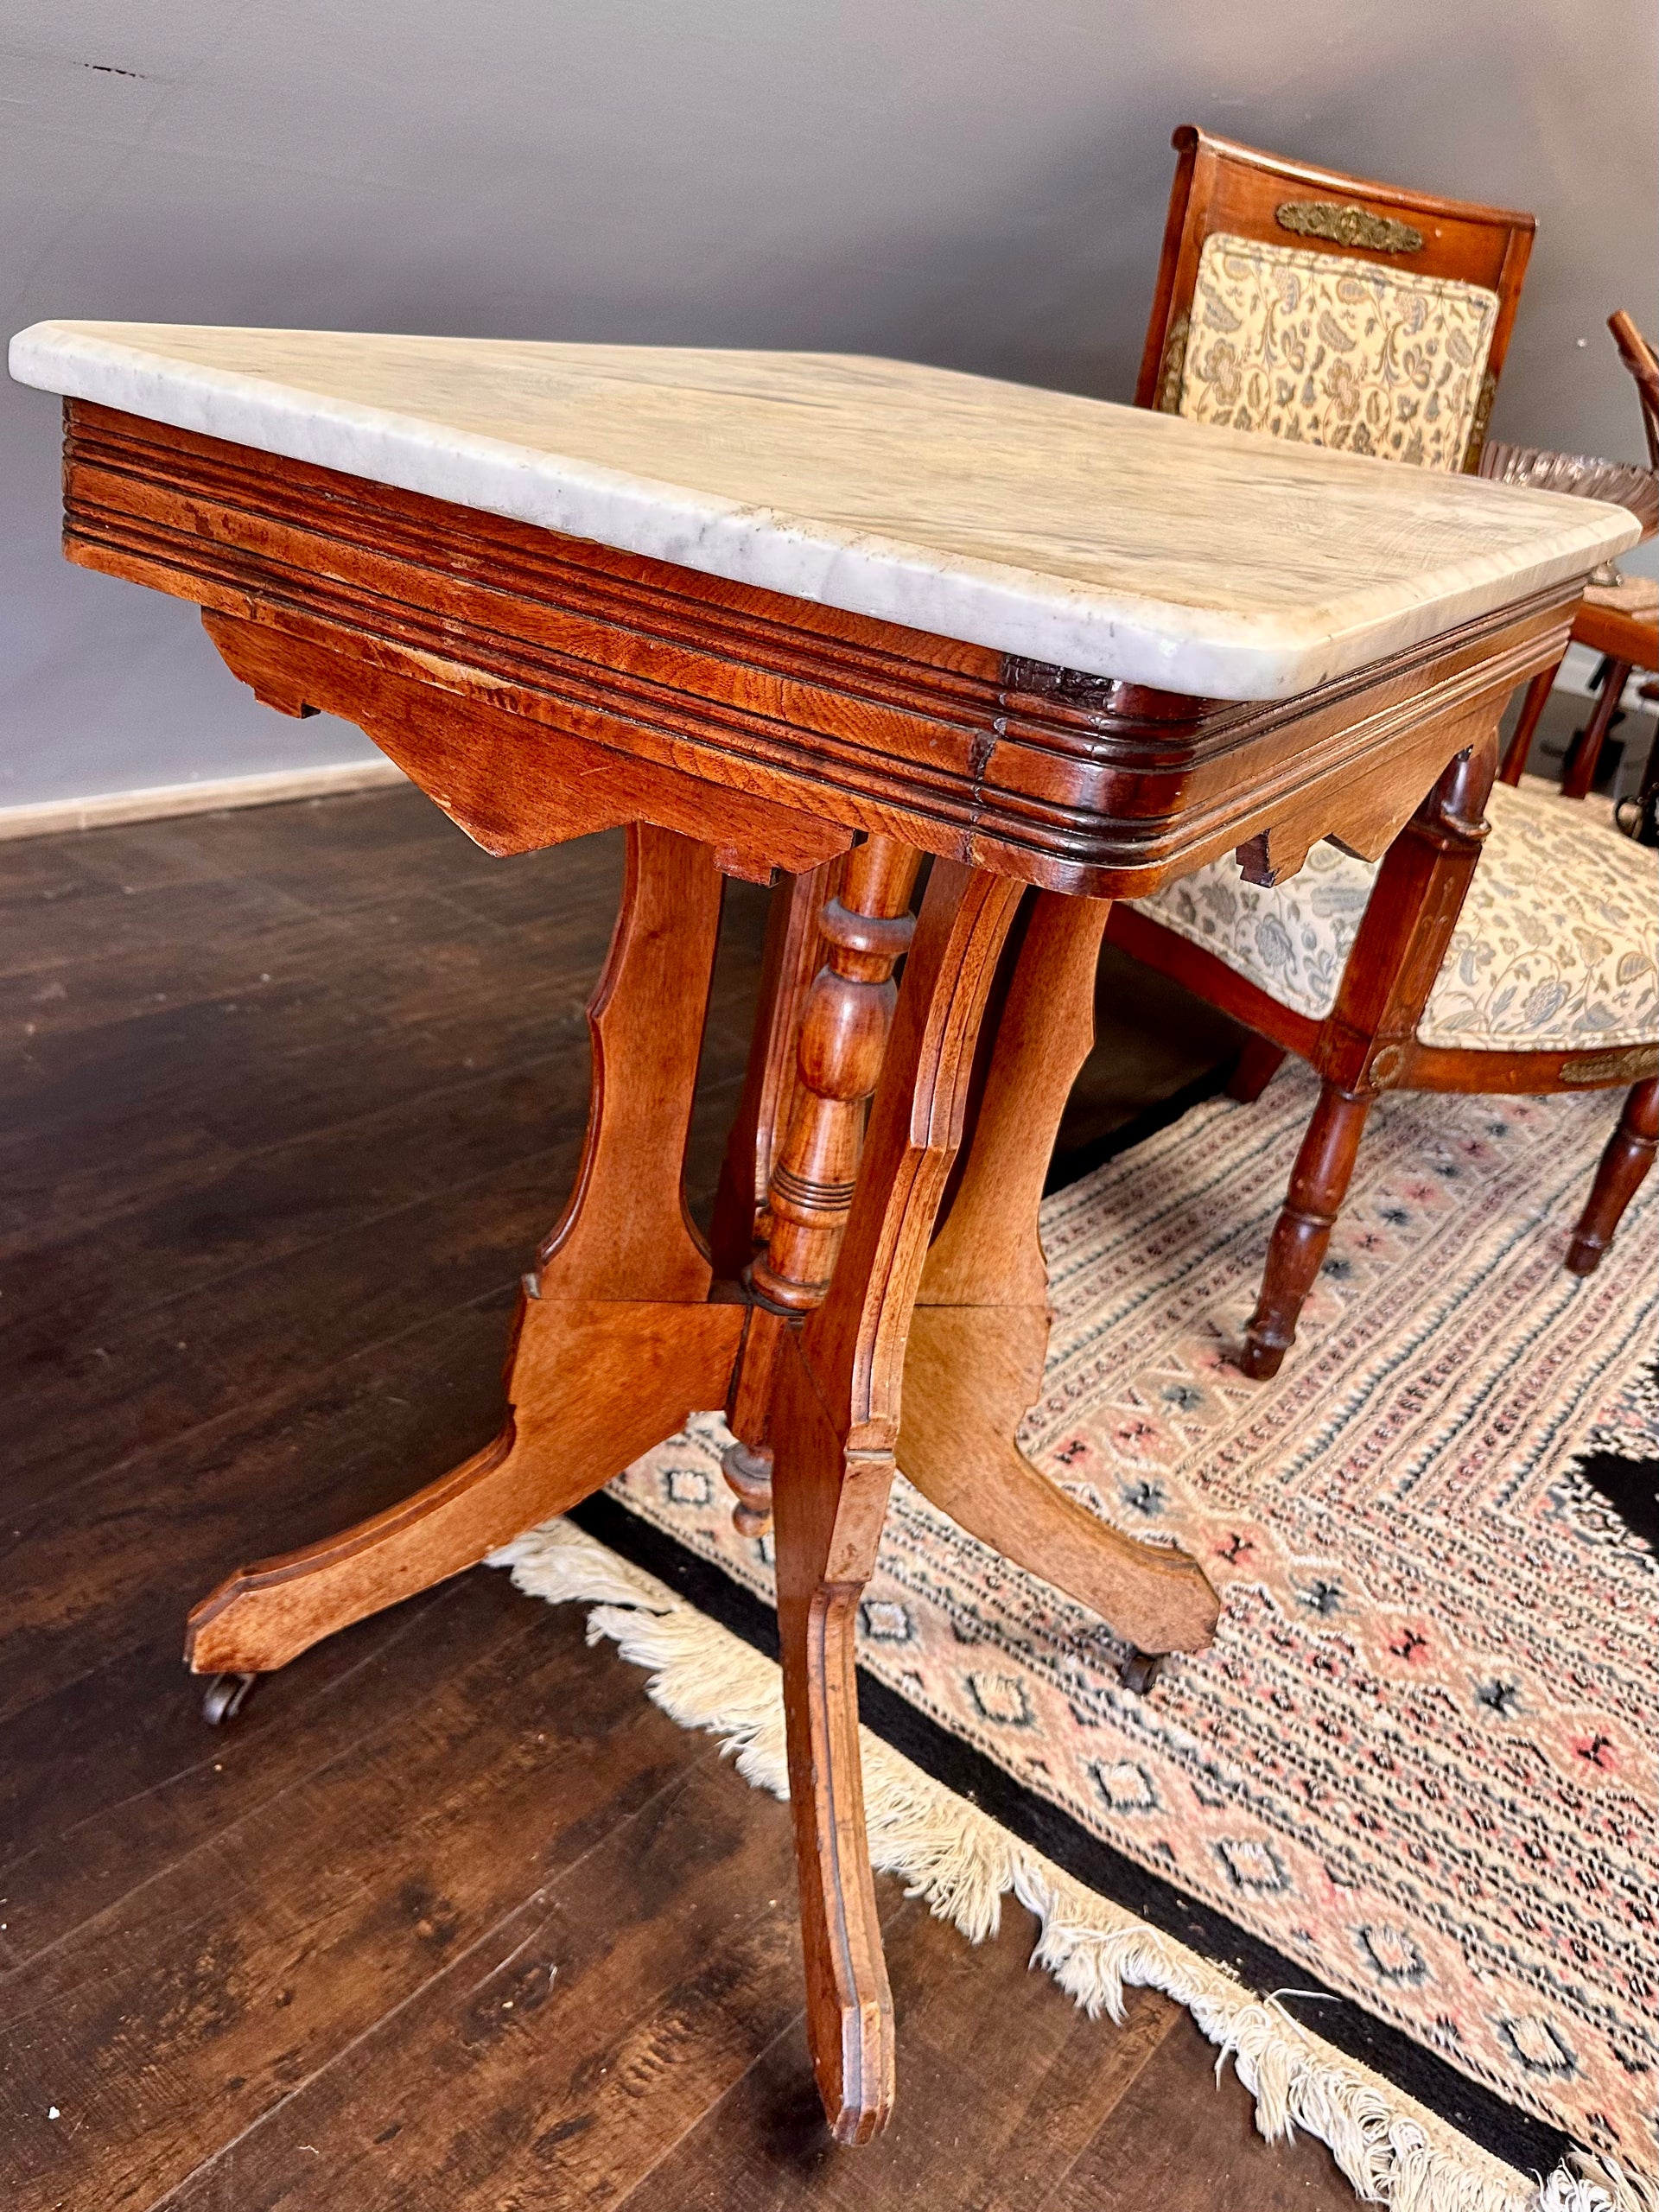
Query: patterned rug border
point(1527, 2144)
point(1392, 2147)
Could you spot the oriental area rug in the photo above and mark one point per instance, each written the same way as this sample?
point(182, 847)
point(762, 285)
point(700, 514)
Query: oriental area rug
point(1393, 1840)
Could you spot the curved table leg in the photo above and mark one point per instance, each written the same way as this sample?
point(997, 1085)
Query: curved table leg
point(972, 1374)
point(979, 1330)
point(614, 1346)
point(594, 1383)
point(828, 1508)
point(836, 1418)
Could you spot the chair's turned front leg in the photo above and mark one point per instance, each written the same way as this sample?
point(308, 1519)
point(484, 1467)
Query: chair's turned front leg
point(1367, 1041)
point(1620, 1174)
point(835, 1421)
point(1319, 1184)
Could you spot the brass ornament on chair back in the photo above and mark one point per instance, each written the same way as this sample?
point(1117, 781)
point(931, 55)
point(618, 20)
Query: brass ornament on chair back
point(1349, 226)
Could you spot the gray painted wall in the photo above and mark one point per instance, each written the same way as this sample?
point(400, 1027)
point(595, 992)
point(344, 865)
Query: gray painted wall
point(979, 183)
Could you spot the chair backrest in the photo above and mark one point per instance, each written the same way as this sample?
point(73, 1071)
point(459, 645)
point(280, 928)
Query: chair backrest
point(1306, 304)
point(1621, 483)
point(1624, 483)
point(1638, 358)
point(1616, 618)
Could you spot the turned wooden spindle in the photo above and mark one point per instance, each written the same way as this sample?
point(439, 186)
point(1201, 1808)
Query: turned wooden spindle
point(747, 1470)
point(1624, 1168)
point(844, 1035)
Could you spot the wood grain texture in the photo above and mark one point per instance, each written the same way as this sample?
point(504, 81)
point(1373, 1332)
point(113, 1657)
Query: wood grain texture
point(794, 953)
point(987, 1250)
point(834, 1425)
point(540, 687)
point(1165, 2145)
point(615, 1347)
point(469, 756)
point(972, 1374)
point(625, 1230)
point(835, 722)
point(838, 1028)
point(845, 1018)
point(1622, 636)
point(854, 1343)
point(593, 1384)
point(448, 1836)
point(974, 1363)
point(1408, 924)
point(1007, 2095)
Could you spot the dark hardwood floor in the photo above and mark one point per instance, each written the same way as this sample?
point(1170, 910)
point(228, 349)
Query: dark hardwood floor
point(451, 1917)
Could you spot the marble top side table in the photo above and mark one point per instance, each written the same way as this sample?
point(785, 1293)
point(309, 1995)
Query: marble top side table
point(809, 619)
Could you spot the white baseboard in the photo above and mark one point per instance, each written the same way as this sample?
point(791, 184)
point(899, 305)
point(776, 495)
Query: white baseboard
point(209, 797)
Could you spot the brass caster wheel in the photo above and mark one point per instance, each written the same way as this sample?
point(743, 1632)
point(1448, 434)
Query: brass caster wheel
point(225, 1697)
point(1140, 1670)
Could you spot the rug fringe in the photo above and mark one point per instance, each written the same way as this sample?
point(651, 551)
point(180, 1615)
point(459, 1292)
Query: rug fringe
point(962, 1863)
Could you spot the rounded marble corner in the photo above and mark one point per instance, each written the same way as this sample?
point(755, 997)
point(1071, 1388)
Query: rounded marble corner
point(1122, 544)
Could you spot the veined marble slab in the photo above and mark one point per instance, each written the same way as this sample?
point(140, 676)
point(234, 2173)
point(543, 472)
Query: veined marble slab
point(1104, 539)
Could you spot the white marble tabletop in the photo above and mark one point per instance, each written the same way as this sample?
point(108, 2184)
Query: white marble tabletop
point(1104, 538)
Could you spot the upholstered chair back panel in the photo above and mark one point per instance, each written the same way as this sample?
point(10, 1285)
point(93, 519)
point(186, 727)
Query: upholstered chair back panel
point(1333, 352)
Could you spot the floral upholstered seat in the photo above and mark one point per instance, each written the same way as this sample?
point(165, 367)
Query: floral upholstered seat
point(1555, 945)
point(1328, 351)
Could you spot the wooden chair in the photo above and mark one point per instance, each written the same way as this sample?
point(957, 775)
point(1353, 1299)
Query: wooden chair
point(1619, 619)
point(1301, 303)
point(1306, 304)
